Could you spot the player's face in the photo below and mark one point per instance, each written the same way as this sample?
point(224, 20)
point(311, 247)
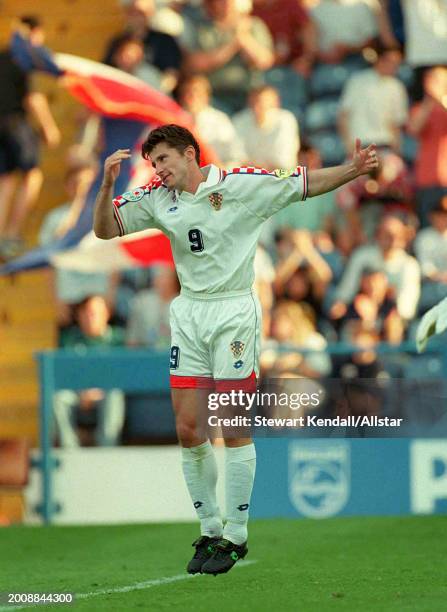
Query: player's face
point(170, 165)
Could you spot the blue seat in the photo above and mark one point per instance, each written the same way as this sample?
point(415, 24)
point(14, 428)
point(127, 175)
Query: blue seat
point(321, 115)
point(292, 87)
point(329, 80)
point(330, 146)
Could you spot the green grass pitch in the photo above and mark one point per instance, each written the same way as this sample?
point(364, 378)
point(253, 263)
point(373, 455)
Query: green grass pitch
point(370, 563)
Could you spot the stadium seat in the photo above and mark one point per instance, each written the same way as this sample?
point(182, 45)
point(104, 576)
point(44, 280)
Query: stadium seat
point(329, 80)
point(330, 146)
point(291, 85)
point(321, 115)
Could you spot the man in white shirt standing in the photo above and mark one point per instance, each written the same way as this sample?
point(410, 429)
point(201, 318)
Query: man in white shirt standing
point(213, 125)
point(269, 133)
point(374, 104)
point(388, 256)
point(213, 219)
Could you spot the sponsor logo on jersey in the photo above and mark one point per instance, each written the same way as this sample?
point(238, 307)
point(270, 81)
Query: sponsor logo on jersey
point(216, 200)
point(238, 364)
point(282, 173)
point(172, 209)
point(237, 348)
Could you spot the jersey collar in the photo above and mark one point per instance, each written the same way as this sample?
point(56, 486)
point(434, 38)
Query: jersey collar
point(212, 174)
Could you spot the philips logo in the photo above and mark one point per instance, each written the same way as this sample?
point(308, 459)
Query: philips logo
point(319, 477)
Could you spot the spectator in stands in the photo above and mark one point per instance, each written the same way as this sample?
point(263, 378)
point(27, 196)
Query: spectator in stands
point(301, 273)
point(232, 49)
point(161, 50)
point(370, 197)
point(93, 331)
point(425, 38)
point(293, 32)
point(148, 322)
point(296, 247)
point(374, 104)
point(128, 55)
point(374, 309)
point(213, 126)
point(359, 394)
point(388, 256)
point(269, 133)
point(72, 286)
point(294, 328)
point(431, 251)
point(428, 123)
point(19, 143)
point(344, 28)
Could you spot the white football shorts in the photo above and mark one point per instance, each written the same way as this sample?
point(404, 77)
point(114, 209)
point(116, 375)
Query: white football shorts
point(215, 338)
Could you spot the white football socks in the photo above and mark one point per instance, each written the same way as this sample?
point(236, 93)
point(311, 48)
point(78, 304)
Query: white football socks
point(200, 471)
point(240, 467)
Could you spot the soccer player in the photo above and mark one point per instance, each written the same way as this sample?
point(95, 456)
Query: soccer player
point(213, 219)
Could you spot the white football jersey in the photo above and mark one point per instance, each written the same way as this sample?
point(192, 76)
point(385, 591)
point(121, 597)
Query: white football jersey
point(213, 232)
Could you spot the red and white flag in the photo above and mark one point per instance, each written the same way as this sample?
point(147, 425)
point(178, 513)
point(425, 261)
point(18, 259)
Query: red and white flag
point(147, 248)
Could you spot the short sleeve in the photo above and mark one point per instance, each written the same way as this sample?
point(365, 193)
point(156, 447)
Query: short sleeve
point(135, 210)
point(264, 193)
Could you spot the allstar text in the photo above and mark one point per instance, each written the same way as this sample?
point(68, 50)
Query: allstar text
point(304, 421)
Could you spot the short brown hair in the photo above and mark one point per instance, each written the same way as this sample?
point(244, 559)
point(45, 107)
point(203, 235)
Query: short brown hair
point(174, 136)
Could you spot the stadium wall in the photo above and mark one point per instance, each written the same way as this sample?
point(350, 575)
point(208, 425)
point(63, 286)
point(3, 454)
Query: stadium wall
point(295, 478)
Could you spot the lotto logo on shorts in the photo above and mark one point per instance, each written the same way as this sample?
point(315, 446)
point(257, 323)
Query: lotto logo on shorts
point(175, 357)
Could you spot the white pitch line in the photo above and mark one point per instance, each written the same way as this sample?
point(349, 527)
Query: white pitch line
point(138, 586)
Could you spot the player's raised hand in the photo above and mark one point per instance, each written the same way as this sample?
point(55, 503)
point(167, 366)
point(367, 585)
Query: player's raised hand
point(112, 164)
point(365, 160)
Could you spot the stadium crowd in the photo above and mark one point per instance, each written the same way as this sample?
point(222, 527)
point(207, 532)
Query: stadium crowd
point(276, 83)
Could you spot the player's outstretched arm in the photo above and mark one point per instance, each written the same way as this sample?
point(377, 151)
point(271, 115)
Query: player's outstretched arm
point(105, 225)
point(327, 179)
